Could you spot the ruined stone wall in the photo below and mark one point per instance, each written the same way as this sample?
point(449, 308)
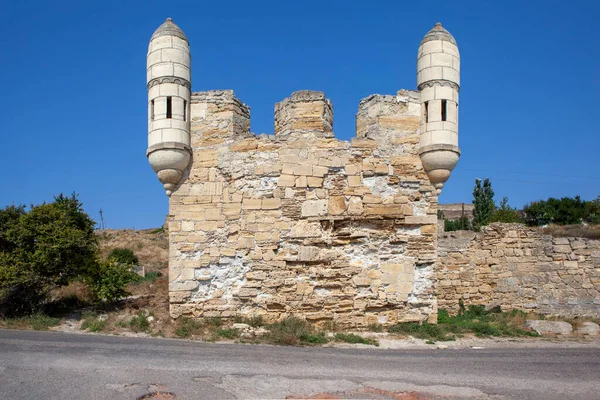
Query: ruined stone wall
point(300, 223)
point(518, 268)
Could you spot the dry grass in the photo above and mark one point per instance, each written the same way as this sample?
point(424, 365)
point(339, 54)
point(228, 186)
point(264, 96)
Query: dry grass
point(151, 246)
point(580, 231)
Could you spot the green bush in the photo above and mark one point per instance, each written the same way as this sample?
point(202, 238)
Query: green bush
point(290, 331)
point(353, 338)
point(505, 213)
point(564, 211)
point(461, 224)
point(124, 256)
point(48, 246)
point(109, 281)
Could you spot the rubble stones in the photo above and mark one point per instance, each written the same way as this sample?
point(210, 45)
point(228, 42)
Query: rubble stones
point(549, 327)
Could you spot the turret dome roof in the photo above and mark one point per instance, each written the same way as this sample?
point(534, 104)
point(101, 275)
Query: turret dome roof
point(438, 32)
point(169, 28)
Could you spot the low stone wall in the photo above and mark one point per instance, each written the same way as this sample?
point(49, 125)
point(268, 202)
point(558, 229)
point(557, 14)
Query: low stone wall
point(516, 267)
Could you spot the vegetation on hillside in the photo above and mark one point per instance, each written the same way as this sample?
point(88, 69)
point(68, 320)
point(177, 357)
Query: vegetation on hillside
point(49, 246)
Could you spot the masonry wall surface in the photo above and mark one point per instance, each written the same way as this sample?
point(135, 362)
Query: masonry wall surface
point(516, 267)
point(300, 223)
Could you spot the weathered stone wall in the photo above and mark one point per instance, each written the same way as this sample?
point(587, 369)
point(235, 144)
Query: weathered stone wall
point(516, 267)
point(300, 223)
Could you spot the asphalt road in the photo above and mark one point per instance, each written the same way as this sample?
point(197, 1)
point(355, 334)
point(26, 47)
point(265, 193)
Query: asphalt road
point(52, 365)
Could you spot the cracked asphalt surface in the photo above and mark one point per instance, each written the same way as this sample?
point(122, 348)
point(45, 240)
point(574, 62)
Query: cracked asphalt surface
point(53, 365)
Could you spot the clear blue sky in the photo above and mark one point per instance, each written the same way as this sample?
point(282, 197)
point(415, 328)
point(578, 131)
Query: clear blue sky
point(73, 101)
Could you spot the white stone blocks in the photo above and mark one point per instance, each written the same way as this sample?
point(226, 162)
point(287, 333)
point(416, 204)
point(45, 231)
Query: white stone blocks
point(429, 74)
point(175, 135)
point(424, 62)
point(153, 57)
point(161, 42)
point(182, 71)
point(176, 56)
point(450, 74)
point(434, 111)
point(444, 92)
point(450, 48)
point(432, 46)
point(440, 59)
point(168, 89)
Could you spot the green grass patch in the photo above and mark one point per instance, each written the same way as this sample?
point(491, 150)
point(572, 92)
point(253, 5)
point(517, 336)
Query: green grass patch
point(228, 333)
point(150, 277)
point(139, 322)
point(38, 322)
point(92, 323)
point(475, 320)
point(187, 327)
point(353, 338)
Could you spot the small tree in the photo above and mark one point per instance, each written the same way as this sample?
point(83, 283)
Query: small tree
point(483, 200)
point(48, 246)
point(505, 213)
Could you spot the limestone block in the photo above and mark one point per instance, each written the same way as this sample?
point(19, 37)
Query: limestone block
point(306, 229)
point(588, 328)
point(301, 182)
point(355, 206)
point(314, 181)
point(314, 208)
point(286, 181)
point(354, 181)
point(319, 171)
point(337, 205)
point(271, 204)
point(421, 220)
point(549, 327)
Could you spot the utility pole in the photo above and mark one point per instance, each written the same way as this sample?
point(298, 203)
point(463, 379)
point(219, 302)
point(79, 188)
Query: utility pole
point(102, 224)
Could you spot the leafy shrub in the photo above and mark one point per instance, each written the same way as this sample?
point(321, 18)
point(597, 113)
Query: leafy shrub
point(505, 213)
point(290, 331)
point(353, 338)
point(109, 281)
point(461, 224)
point(46, 247)
point(124, 256)
point(317, 338)
point(564, 211)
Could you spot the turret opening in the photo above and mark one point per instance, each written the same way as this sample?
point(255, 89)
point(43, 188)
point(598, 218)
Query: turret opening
point(185, 110)
point(426, 112)
point(444, 110)
point(169, 107)
point(152, 110)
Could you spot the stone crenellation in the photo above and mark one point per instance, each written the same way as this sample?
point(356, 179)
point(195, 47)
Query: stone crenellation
point(299, 222)
point(517, 267)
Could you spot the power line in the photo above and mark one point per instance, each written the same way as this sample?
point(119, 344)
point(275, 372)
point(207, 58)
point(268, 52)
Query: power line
point(531, 173)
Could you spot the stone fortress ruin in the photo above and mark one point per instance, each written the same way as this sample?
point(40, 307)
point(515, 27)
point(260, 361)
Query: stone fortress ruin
point(299, 222)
